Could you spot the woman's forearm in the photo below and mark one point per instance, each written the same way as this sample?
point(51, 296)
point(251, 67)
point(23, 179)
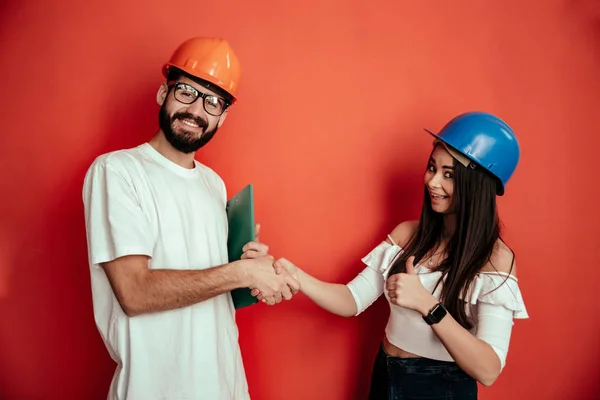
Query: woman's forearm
point(333, 297)
point(473, 355)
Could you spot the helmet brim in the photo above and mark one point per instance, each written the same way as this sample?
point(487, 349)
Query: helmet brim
point(463, 158)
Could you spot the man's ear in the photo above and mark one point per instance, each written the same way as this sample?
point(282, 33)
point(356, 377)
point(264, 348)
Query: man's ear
point(161, 95)
point(222, 118)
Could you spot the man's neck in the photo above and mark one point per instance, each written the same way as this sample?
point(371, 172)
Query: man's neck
point(162, 145)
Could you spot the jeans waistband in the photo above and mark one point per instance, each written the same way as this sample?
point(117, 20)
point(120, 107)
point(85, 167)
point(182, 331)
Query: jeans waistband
point(417, 364)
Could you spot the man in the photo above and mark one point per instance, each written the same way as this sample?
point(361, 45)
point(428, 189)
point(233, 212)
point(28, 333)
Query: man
point(157, 238)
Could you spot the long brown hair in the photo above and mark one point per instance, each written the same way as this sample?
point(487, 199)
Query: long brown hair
point(476, 232)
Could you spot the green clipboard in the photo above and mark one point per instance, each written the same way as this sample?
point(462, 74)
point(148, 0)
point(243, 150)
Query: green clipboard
point(242, 229)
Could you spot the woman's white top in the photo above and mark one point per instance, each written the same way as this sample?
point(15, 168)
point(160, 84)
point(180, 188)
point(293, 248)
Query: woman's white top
point(494, 299)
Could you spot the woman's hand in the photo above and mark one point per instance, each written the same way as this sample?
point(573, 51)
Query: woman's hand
point(284, 264)
point(406, 290)
point(257, 250)
point(281, 265)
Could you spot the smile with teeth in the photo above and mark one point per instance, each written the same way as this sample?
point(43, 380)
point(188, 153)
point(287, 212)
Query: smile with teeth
point(438, 196)
point(189, 122)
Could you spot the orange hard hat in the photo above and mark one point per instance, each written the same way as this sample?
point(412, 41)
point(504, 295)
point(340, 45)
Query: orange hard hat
point(210, 59)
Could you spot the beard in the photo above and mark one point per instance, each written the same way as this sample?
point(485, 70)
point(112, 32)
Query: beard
point(182, 140)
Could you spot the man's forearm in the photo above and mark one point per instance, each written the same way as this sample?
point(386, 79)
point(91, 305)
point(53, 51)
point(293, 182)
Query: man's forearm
point(163, 289)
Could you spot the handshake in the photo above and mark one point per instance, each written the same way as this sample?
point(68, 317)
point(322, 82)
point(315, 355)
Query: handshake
point(270, 280)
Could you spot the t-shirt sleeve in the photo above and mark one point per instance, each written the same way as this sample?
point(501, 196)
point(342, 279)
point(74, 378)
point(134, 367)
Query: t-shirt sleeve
point(115, 222)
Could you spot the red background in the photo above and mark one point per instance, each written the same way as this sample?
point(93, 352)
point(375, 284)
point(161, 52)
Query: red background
point(329, 129)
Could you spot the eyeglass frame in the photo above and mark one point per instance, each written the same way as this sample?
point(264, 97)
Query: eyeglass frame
point(174, 84)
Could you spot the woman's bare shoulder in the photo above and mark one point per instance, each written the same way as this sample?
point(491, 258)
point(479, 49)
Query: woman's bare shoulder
point(502, 260)
point(403, 232)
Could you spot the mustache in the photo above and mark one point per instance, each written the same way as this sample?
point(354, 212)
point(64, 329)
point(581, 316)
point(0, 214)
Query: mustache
point(197, 120)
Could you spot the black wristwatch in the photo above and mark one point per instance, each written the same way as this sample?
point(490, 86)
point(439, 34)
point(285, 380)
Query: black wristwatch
point(436, 314)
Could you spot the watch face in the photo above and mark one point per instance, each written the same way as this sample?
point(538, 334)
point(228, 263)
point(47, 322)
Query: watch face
point(438, 312)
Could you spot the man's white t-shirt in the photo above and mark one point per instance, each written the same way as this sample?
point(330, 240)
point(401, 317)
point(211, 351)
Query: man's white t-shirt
point(139, 202)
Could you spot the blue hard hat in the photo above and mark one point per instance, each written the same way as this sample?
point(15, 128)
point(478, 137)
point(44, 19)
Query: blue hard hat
point(485, 140)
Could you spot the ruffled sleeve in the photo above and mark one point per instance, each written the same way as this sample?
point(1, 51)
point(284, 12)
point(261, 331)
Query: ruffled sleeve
point(498, 289)
point(368, 285)
point(381, 258)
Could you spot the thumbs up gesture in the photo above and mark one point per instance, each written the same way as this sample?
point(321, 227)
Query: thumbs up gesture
point(406, 290)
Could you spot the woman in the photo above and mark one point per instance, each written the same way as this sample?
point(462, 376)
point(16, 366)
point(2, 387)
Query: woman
point(449, 278)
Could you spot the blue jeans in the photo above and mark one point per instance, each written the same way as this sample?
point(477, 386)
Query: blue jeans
point(397, 378)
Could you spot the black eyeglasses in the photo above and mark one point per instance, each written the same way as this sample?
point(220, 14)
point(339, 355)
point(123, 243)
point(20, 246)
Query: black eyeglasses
point(187, 94)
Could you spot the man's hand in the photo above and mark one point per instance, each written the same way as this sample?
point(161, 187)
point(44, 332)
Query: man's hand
point(262, 277)
point(256, 250)
point(281, 266)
